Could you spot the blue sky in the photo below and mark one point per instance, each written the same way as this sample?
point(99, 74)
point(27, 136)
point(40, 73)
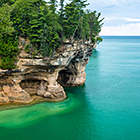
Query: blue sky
point(122, 17)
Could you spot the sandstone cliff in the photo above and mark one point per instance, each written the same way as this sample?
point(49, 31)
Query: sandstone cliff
point(38, 77)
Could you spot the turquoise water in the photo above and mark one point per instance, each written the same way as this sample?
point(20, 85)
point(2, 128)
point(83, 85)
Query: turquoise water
point(107, 107)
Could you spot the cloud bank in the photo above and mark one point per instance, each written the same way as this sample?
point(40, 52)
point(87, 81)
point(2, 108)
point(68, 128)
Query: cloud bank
point(121, 16)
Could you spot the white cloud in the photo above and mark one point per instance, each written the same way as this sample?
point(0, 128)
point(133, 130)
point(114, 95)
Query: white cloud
point(118, 21)
point(121, 16)
point(132, 19)
point(103, 3)
point(130, 29)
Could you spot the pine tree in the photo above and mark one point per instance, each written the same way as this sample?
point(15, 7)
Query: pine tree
point(44, 43)
point(5, 23)
point(95, 24)
point(9, 2)
point(53, 5)
point(45, 27)
point(61, 18)
point(8, 51)
point(73, 13)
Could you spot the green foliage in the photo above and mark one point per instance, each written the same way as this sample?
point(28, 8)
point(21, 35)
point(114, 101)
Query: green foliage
point(72, 15)
point(94, 22)
point(10, 2)
point(44, 43)
point(45, 27)
point(99, 39)
point(79, 24)
point(53, 5)
point(49, 41)
point(8, 37)
point(27, 48)
point(5, 23)
point(8, 51)
point(61, 19)
point(29, 22)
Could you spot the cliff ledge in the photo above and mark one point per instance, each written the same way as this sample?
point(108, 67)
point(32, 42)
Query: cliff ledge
point(44, 78)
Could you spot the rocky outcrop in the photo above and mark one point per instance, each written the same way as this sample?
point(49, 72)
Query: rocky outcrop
point(38, 77)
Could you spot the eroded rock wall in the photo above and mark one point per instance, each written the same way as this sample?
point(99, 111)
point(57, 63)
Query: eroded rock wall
point(38, 77)
point(74, 74)
point(10, 90)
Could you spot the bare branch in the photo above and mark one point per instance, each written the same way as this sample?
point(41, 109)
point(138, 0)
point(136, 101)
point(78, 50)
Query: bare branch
point(5, 15)
point(74, 33)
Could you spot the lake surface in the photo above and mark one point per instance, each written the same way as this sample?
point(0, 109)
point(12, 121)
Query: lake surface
point(107, 107)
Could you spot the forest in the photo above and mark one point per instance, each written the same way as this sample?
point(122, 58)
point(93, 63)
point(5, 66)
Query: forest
point(46, 24)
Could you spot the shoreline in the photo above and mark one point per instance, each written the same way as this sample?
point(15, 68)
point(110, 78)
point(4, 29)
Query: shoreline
point(36, 100)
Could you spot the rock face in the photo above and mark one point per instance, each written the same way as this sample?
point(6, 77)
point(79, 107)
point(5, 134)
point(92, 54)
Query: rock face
point(38, 77)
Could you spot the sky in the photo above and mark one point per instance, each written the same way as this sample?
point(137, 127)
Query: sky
point(122, 17)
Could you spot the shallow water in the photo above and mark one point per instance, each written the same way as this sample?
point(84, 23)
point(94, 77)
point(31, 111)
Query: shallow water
point(107, 107)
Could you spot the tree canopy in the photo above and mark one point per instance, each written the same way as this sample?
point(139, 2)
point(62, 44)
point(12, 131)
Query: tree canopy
point(44, 25)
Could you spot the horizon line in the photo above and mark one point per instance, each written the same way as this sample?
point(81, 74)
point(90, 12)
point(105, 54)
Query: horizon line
point(119, 35)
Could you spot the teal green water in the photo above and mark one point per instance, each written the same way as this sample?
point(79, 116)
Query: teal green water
point(107, 107)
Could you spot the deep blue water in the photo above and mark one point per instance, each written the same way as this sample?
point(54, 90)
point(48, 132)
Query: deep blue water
point(107, 107)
